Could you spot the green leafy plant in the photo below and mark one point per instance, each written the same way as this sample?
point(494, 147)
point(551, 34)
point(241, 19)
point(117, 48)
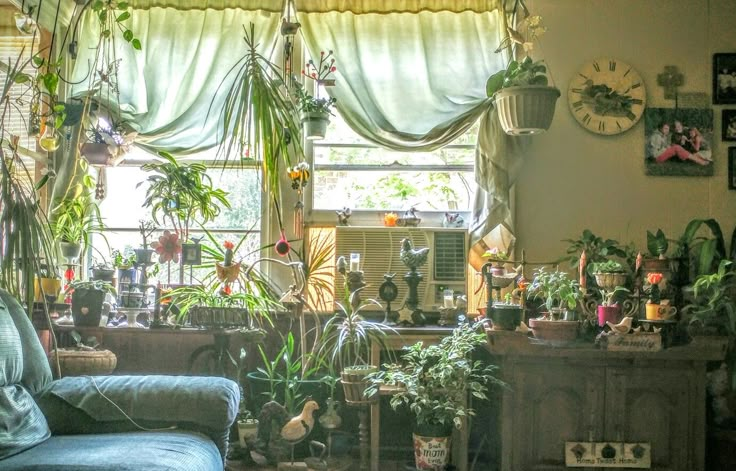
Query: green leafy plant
point(556, 288)
point(258, 119)
point(88, 344)
point(76, 218)
point(122, 259)
point(597, 250)
point(608, 296)
point(112, 15)
point(712, 307)
point(706, 251)
point(181, 194)
point(98, 285)
point(518, 73)
point(433, 381)
point(657, 244)
point(610, 266)
point(308, 103)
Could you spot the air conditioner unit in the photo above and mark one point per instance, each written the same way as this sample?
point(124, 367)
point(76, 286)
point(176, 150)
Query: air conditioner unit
point(446, 267)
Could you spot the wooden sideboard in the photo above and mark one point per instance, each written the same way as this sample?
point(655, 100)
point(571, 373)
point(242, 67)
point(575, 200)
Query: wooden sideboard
point(588, 394)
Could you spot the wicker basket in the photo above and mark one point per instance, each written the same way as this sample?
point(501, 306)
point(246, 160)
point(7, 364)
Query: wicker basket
point(84, 362)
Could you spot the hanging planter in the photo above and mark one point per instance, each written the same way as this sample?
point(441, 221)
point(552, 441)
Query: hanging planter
point(96, 153)
point(526, 110)
point(315, 124)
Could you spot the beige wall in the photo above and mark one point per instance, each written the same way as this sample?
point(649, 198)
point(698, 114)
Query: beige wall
point(574, 179)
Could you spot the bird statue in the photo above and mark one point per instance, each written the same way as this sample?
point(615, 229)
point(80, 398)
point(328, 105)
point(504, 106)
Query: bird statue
point(342, 265)
point(343, 215)
point(291, 430)
point(622, 327)
point(411, 257)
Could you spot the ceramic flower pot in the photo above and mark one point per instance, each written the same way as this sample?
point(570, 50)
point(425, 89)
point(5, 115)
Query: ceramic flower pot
point(229, 273)
point(555, 332)
point(143, 256)
point(48, 287)
point(609, 314)
point(87, 306)
point(505, 316)
point(96, 153)
point(103, 274)
point(315, 124)
point(432, 446)
point(526, 110)
point(247, 431)
point(70, 250)
point(660, 312)
point(609, 281)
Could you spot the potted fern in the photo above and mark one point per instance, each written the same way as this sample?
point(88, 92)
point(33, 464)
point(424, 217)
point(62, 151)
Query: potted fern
point(520, 92)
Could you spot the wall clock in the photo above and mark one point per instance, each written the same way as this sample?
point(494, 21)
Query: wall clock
point(607, 96)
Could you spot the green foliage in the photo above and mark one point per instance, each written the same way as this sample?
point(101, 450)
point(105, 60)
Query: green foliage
point(181, 194)
point(76, 218)
point(98, 285)
point(90, 343)
point(556, 288)
point(712, 306)
point(123, 260)
point(597, 250)
point(307, 103)
point(111, 15)
point(526, 72)
point(433, 381)
point(657, 244)
point(706, 251)
point(258, 120)
point(609, 266)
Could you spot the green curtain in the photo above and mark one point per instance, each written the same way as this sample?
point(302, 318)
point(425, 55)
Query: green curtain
point(416, 81)
point(167, 89)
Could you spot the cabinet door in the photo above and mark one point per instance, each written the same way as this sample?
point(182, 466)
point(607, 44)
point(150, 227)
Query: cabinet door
point(653, 405)
point(553, 403)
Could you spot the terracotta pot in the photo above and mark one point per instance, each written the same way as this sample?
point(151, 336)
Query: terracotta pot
point(526, 110)
point(609, 313)
point(227, 274)
point(555, 332)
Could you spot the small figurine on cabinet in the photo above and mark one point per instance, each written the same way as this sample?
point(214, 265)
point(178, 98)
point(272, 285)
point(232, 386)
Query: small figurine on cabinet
point(409, 219)
point(343, 215)
point(453, 220)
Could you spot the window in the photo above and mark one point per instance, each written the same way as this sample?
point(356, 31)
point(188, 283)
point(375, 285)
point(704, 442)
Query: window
point(122, 209)
point(351, 172)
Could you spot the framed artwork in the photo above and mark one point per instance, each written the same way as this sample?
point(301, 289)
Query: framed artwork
point(732, 168)
point(678, 142)
point(728, 125)
point(191, 254)
point(724, 78)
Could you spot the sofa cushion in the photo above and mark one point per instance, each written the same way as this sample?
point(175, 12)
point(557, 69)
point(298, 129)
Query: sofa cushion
point(22, 425)
point(149, 451)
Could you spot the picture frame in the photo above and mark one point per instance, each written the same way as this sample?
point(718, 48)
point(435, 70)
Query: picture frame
point(191, 254)
point(728, 125)
point(724, 78)
point(732, 168)
point(678, 142)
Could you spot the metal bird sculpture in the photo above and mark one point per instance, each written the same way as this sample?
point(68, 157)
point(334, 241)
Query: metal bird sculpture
point(291, 430)
point(411, 257)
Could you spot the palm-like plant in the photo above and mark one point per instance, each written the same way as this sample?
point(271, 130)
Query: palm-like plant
point(26, 243)
point(181, 194)
point(259, 120)
point(75, 218)
point(712, 307)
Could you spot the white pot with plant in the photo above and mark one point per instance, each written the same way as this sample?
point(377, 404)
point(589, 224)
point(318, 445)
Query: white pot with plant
point(433, 382)
point(521, 92)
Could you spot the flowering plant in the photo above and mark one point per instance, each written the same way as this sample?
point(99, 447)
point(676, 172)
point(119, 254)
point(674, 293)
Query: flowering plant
point(655, 294)
point(321, 73)
point(229, 246)
point(525, 71)
point(496, 253)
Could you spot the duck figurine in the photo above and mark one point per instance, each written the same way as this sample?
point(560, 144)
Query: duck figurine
point(622, 327)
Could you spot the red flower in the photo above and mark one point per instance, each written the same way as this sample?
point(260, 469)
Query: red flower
point(333, 68)
point(226, 290)
point(168, 247)
point(228, 245)
point(654, 278)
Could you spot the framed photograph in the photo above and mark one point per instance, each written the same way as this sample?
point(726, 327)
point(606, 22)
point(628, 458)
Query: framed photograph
point(728, 125)
point(724, 78)
point(732, 168)
point(191, 254)
point(678, 141)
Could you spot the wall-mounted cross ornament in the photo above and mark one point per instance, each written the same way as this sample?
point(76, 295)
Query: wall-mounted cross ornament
point(670, 80)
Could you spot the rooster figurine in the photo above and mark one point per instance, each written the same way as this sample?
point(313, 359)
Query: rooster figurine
point(411, 257)
point(291, 430)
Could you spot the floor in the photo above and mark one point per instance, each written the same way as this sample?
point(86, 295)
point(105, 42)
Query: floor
point(243, 466)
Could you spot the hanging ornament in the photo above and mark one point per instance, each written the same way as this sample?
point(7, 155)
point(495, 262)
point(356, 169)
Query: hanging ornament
point(282, 247)
point(50, 139)
point(100, 188)
point(289, 28)
point(25, 24)
point(299, 176)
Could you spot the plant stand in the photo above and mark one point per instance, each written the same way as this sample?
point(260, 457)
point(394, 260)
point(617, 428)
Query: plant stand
point(413, 278)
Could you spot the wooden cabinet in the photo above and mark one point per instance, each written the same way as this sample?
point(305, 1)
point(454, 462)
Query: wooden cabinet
point(586, 394)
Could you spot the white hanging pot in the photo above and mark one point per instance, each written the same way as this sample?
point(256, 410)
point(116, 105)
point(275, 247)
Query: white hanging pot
point(315, 124)
point(526, 110)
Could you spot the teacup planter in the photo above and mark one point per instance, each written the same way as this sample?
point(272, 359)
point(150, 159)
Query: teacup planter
point(658, 312)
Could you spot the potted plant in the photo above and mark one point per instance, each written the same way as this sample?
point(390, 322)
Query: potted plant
point(107, 143)
point(74, 219)
point(610, 276)
point(87, 300)
point(124, 263)
point(181, 194)
point(433, 382)
point(656, 307)
point(560, 294)
point(608, 309)
point(711, 312)
point(525, 102)
point(84, 358)
point(143, 256)
point(314, 111)
point(103, 271)
point(506, 315)
point(346, 345)
point(597, 250)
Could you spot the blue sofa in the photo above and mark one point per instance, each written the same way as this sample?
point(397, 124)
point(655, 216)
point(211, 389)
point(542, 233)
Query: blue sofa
point(104, 423)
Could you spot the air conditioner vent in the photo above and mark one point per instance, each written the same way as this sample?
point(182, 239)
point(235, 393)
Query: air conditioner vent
point(449, 256)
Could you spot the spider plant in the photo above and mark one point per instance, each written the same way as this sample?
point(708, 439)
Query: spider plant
point(181, 194)
point(26, 243)
point(258, 120)
point(77, 216)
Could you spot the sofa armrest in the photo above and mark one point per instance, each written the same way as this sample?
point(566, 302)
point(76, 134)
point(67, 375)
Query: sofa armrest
point(87, 404)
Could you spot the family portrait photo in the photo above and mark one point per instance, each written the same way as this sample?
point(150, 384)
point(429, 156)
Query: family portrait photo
point(678, 141)
point(724, 78)
point(728, 125)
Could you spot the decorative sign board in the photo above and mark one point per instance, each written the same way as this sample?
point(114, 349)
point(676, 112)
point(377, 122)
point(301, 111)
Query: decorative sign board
point(608, 455)
point(641, 342)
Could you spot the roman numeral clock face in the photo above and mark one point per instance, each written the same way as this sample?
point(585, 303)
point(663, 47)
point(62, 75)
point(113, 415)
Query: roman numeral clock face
point(607, 96)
